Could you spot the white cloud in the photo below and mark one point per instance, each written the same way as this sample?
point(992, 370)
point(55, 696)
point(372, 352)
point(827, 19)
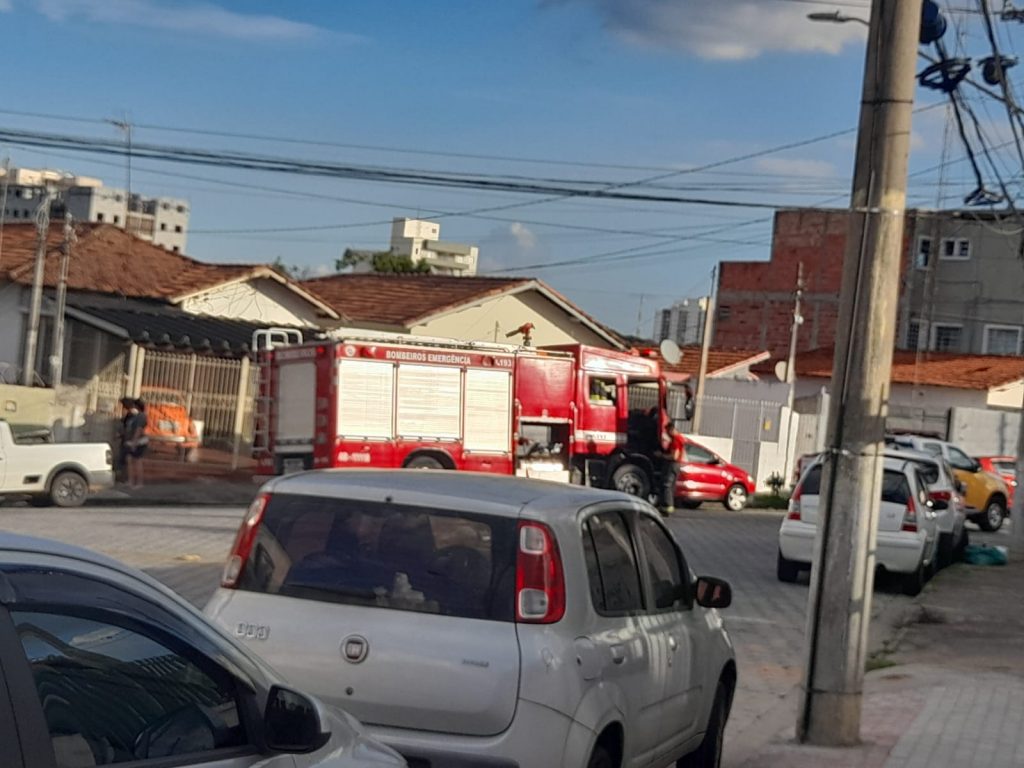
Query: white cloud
point(818, 169)
point(723, 29)
point(197, 18)
point(524, 236)
point(5, 5)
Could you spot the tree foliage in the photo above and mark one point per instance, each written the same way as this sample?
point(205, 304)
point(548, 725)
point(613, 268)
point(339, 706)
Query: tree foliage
point(383, 262)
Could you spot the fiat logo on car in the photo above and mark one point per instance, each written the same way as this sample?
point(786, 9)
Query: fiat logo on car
point(354, 648)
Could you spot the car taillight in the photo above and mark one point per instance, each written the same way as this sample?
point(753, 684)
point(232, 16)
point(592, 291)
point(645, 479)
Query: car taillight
point(540, 584)
point(910, 517)
point(794, 503)
point(244, 540)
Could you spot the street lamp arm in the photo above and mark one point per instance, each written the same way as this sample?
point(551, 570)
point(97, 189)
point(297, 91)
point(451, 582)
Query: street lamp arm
point(835, 17)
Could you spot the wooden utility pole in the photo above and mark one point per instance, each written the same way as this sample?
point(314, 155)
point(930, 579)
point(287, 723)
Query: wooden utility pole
point(57, 347)
point(36, 304)
point(842, 578)
point(705, 347)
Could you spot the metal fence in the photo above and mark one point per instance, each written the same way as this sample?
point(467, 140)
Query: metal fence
point(736, 419)
point(211, 389)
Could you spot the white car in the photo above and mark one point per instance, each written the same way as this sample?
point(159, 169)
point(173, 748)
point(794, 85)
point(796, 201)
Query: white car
point(53, 473)
point(480, 620)
point(907, 535)
point(100, 664)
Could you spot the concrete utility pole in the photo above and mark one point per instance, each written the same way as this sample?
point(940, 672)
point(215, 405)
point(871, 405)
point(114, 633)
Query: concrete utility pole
point(57, 347)
point(36, 306)
point(798, 320)
point(842, 579)
point(705, 346)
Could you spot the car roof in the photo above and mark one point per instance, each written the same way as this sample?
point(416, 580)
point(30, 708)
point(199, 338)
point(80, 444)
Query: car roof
point(894, 460)
point(466, 491)
point(913, 455)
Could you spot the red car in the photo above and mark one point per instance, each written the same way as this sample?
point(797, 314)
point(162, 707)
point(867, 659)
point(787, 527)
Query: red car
point(1004, 467)
point(706, 476)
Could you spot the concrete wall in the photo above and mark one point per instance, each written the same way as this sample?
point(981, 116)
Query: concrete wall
point(261, 301)
point(12, 321)
point(985, 289)
point(491, 319)
point(29, 407)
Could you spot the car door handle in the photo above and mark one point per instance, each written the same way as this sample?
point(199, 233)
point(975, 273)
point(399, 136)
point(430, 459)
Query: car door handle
point(672, 643)
point(618, 653)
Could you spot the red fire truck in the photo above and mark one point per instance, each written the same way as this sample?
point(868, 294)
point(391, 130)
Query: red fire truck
point(360, 399)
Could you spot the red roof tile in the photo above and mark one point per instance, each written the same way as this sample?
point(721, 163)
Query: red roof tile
point(106, 259)
point(933, 369)
point(720, 361)
point(404, 299)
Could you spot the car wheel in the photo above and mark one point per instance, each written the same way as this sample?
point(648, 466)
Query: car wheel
point(735, 498)
point(961, 546)
point(913, 583)
point(946, 549)
point(629, 478)
point(68, 489)
point(424, 462)
point(787, 570)
point(689, 503)
point(992, 518)
point(600, 758)
point(709, 753)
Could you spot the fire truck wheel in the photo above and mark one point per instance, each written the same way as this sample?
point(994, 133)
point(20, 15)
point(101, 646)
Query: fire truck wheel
point(424, 462)
point(631, 479)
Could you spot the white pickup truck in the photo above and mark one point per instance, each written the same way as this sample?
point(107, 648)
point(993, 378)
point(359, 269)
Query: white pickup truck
point(53, 473)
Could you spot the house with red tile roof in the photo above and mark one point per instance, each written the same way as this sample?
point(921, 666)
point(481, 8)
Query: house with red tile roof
point(466, 308)
point(121, 288)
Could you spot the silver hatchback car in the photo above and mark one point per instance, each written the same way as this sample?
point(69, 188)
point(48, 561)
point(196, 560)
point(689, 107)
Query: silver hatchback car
point(482, 620)
point(100, 664)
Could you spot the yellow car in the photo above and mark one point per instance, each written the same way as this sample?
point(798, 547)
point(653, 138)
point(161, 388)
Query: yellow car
point(985, 494)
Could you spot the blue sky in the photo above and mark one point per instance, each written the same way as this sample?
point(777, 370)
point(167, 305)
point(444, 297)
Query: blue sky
point(636, 84)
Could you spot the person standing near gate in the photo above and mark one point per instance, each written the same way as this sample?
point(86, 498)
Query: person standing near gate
point(137, 442)
point(672, 445)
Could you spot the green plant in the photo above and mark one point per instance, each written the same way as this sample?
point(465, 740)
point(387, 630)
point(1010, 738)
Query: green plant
point(776, 482)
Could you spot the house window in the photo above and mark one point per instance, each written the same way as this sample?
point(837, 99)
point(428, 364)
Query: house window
point(915, 334)
point(666, 324)
point(947, 338)
point(181, 209)
point(957, 248)
point(1001, 340)
point(163, 227)
point(117, 219)
point(724, 312)
point(924, 253)
point(99, 217)
point(177, 227)
point(176, 249)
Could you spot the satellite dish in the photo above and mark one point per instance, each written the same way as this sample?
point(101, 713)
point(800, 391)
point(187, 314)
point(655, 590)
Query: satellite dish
point(670, 352)
point(780, 370)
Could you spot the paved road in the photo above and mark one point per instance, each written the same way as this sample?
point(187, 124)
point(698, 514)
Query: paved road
point(185, 548)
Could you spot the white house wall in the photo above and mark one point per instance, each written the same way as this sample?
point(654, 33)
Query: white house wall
point(492, 318)
point(257, 301)
point(12, 323)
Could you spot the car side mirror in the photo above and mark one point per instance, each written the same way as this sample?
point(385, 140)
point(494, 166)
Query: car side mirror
point(292, 723)
point(713, 593)
point(714, 460)
point(960, 487)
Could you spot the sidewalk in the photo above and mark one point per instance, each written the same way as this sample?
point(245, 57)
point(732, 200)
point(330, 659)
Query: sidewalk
point(187, 493)
point(951, 692)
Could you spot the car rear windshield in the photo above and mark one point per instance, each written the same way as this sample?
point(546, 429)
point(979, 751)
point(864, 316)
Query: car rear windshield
point(1006, 467)
point(895, 488)
point(387, 555)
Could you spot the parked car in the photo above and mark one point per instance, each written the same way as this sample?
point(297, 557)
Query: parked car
point(907, 537)
point(706, 476)
point(169, 425)
point(986, 495)
point(62, 474)
point(100, 664)
point(473, 619)
point(1006, 468)
point(942, 485)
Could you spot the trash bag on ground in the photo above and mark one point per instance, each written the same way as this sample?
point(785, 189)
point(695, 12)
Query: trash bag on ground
point(983, 554)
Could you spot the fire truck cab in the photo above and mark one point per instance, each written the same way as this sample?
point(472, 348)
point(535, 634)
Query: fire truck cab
point(356, 399)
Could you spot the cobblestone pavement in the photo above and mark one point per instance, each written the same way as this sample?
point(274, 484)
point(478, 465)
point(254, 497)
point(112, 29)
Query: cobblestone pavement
point(185, 548)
